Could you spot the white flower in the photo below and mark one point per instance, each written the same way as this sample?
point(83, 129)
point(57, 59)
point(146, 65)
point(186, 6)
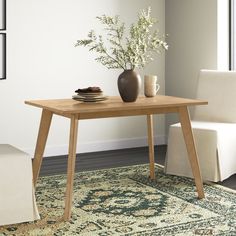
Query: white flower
point(129, 52)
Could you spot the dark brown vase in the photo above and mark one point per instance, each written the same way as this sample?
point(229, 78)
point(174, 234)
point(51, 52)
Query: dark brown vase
point(129, 84)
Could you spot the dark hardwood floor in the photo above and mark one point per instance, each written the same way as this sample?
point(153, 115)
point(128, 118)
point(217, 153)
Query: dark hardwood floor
point(109, 159)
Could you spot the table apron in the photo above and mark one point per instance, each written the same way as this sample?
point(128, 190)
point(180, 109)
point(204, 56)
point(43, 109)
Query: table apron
point(119, 113)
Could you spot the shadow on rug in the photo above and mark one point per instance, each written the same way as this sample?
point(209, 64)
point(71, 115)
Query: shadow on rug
point(123, 201)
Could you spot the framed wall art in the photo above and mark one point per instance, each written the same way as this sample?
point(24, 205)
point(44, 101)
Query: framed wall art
point(3, 15)
point(3, 27)
point(2, 56)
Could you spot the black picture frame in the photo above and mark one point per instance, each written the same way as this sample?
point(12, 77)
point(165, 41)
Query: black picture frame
point(3, 54)
point(3, 15)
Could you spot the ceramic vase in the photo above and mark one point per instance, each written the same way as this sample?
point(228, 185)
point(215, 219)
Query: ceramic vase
point(129, 84)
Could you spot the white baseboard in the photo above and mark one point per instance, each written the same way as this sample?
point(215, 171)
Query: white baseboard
point(104, 145)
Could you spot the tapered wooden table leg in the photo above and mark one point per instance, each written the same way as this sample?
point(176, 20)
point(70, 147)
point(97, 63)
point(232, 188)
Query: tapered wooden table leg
point(45, 123)
point(151, 146)
point(192, 154)
point(71, 166)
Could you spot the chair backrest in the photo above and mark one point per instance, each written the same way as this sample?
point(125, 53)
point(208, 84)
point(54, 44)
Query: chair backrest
point(219, 89)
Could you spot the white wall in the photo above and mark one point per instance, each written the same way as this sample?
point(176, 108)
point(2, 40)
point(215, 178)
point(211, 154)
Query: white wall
point(42, 63)
point(193, 29)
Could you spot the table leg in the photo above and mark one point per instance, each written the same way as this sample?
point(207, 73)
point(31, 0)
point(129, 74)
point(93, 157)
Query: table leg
point(71, 166)
point(45, 123)
point(151, 146)
point(190, 145)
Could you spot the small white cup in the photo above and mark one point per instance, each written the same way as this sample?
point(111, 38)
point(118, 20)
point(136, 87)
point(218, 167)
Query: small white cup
point(151, 86)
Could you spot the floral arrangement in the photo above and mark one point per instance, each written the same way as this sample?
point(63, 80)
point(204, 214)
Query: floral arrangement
point(132, 51)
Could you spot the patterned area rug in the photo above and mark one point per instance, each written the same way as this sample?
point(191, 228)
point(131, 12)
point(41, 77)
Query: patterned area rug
point(123, 201)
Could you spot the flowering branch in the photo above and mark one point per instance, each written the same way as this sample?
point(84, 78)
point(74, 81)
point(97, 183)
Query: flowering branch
point(132, 52)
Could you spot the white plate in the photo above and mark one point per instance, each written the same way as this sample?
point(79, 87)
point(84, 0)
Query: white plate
point(90, 94)
point(89, 99)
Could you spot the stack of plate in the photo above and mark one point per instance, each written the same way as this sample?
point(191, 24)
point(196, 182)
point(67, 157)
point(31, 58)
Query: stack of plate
point(89, 97)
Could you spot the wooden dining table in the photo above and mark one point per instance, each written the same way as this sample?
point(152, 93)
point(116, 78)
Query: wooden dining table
point(113, 107)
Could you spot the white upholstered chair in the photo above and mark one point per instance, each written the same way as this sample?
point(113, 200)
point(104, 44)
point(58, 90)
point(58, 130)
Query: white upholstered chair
point(17, 199)
point(214, 129)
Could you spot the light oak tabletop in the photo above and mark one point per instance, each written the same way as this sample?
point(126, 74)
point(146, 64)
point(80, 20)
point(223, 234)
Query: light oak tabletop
point(70, 106)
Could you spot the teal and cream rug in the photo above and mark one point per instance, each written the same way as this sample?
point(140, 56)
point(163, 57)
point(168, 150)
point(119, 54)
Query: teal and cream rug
point(123, 201)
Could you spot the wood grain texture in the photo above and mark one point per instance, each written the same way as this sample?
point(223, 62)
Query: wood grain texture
point(114, 105)
point(102, 160)
point(45, 123)
point(190, 145)
point(71, 166)
point(151, 146)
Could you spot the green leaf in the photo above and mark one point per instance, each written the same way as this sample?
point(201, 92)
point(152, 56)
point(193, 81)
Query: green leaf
point(135, 50)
